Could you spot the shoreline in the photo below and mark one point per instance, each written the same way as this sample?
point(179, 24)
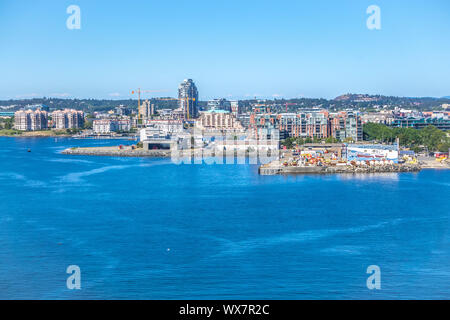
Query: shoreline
point(65, 136)
point(279, 170)
point(37, 136)
point(273, 168)
point(276, 168)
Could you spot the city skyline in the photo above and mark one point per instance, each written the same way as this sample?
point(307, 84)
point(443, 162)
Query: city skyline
point(230, 50)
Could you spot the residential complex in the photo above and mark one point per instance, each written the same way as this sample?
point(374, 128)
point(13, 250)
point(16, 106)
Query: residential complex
point(440, 120)
point(68, 119)
point(218, 120)
point(306, 124)
point(106, 126)
point(317, 124)
point(29, 120)
point(346, 125)
point(147, 110)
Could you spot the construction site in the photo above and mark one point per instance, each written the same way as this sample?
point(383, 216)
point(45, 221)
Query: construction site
point(344, 158)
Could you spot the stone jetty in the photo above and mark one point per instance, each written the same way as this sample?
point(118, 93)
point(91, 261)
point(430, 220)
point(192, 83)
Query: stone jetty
point(273, 169)
point(116, 152)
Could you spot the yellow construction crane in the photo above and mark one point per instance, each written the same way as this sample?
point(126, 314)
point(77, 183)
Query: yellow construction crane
point(179, 99)
point(139, 91)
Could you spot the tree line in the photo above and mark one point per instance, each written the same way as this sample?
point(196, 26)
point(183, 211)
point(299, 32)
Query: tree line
point(429, 138)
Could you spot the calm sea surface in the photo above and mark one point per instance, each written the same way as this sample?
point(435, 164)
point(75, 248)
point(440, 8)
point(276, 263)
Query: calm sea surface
point(150, 229)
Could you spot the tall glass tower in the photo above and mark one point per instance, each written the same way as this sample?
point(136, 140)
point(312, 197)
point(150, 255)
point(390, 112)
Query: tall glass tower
point(188, 99)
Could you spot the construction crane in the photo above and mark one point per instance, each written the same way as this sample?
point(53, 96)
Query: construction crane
point(289, 104)
point(139, 91)
point(179, 99)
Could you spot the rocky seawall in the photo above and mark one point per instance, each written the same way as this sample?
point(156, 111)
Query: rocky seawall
point(272, 170)
point(115, 152)
point(374, 169)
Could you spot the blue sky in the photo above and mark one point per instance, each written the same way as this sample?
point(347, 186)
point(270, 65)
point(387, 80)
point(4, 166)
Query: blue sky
point(232, 49)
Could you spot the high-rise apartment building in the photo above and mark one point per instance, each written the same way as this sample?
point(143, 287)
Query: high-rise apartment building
point(68, 119)
point(313, 124)
point(188, 99)
point(305, 124)
point(147, 110)
point(29, 120)
point(346, 125)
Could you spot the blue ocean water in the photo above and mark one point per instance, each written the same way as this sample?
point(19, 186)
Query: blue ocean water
point(150, 229)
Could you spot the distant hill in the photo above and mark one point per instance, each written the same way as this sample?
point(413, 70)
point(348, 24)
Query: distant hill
point(351, 97)
point(346, 101)
point(365, 100)
point(81, 104)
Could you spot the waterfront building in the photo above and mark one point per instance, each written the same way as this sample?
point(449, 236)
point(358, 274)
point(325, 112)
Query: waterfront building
point(68, 119)
point(218, 120)
point(161, 128)
point(29, 120)
point(106, 126)
point(305, 124)
point(160, 134)
point(346, 125)
point(102, 126)
point(314, 124)
point(188, 99)
point(265, 125)
point(122, 125)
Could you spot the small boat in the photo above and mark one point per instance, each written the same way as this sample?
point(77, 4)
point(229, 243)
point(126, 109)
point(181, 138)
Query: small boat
point(29, 150)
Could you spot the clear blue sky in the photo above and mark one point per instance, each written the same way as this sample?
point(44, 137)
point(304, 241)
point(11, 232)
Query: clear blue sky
point(232, 49)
